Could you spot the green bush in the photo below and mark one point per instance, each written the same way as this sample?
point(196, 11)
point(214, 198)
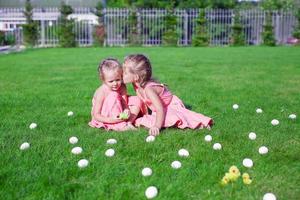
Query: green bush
point(99, 30)
point(66, 28)
point(296, 32)
point(170, 36)
point(30, 29)
point(99, 35)
point(10, 39)
point(2, 38)
point(268, 34)
point(7, 39)
point(134, 37)
point(237, 38)
point(201, 39)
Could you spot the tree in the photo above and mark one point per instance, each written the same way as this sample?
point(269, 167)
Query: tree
point(223, 4)
point(170, 36)
point(99, 31)
point(66, 27)
point(268, 34)
point(238, 38)
point(277, 4)
point(30, 29)
point(193, 3)
point(296, 33)
point(134, 38)
point(201, 38)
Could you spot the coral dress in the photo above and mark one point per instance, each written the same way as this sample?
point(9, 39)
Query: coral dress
point(176, 115)
point(112, 107)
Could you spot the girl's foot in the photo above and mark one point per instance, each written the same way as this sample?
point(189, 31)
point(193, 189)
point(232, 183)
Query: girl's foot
point(131, 126)
point(208, 127)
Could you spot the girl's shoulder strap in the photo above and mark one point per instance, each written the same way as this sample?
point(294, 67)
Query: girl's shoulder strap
point(156, 84)
point(152, 83)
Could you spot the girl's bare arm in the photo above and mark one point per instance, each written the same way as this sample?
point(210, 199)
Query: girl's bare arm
point(152, 94)
point(99, 99)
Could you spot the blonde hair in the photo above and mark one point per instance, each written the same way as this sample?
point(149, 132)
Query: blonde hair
point(109, 64)
point(139, 64)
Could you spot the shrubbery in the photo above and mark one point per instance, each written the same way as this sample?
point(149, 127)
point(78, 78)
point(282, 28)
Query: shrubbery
point(7, 39)
point(66, 27)
point(238, 38)
point(30, 29)
point(296, 33)
point(134, 38)
point(170, 36)
point(201, 38)
point(99, 30)
point(268, 34)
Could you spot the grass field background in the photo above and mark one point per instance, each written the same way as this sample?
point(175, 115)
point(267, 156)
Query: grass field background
point(42, 85)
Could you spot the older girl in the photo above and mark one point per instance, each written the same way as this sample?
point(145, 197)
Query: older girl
point(167, 109)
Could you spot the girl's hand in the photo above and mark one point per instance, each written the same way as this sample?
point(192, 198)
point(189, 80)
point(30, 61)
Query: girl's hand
point(154, 131)
point(114, 120)
point(127, 112)
point(124, 115)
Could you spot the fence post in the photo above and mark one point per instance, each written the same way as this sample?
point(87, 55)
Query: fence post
point(139, 22)
point(42, 33)
point(105, 26)
point(91, 32)
point(277, 27)
point(186, 27)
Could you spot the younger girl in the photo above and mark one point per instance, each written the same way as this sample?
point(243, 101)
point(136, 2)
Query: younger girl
point(110, 99)
point(167, 109)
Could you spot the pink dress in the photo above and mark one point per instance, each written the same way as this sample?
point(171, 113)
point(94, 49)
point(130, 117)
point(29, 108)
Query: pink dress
point(112, 107)
point(176, 115)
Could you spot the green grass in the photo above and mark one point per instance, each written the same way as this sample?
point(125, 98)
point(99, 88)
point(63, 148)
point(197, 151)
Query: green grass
point(43, 85)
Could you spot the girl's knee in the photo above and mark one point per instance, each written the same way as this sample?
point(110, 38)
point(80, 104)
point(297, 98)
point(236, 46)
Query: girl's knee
point(134, 101)
point(134, 109)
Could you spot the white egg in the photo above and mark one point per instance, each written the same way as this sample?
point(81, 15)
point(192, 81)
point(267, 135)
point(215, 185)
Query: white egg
point(24, 146)
point(111, 141)
point(208, 138)
point(183, 153)
point(269, 196)
point(176, 164)
point(259, 110)
point(32, 125)
point(83, 163)
point(147, 171)
point(150, 138)
point(110, 152)
point(76, 150)
point(274, 122)
point(70, 113)
point(217, 146)
point(151, 192)
point(247, 162)
point(252, 136)
point(292, 116)
point(263, 150)
point(235, 106)
point(73, 140)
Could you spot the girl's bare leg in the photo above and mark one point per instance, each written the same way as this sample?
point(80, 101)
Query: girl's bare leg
point(134, 111)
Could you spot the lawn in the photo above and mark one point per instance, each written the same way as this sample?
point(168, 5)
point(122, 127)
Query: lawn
point(42, 85)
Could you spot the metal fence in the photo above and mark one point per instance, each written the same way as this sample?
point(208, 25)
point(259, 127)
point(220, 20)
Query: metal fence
point(150, 25)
